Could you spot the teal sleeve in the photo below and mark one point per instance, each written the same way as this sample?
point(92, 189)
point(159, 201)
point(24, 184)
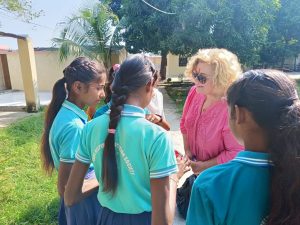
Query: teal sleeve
point(69, 141)
point(201, 210)
point(162, 157)
point(83, 153)
point(101, 111)
point(147, 111)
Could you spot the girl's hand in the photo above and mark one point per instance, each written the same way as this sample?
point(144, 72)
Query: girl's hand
point(153, 118)
point(189, 155)
point(183, 164)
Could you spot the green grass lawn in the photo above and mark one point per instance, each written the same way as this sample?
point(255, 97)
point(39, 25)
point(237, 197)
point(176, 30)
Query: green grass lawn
point(27, 195)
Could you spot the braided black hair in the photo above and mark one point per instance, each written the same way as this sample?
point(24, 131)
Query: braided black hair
point(135, 72)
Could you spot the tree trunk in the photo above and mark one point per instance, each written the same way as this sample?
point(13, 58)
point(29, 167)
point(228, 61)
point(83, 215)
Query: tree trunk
point(283, 55)
point(163, 65)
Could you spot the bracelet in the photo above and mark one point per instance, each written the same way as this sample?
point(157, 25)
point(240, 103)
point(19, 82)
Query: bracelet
point(161, 119)
point(175, 180)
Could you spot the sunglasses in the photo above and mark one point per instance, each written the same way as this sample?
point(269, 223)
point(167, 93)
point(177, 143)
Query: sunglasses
point(200, 77)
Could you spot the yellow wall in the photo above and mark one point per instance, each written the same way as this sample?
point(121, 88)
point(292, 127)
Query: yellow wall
point(14, 71)
point(118, 57)
point(290, 62)
point(49, 68)
point(156, 61)
point(173, 68)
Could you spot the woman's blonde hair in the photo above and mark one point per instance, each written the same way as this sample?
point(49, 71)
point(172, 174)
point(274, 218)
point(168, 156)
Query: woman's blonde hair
point(225, 65)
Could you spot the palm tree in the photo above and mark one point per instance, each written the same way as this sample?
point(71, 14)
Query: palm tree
point(90, 33)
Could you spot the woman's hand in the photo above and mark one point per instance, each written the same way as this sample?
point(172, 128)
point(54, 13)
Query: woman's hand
point(197, 167)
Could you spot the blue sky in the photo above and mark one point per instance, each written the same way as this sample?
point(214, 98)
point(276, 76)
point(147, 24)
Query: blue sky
point(55, 11)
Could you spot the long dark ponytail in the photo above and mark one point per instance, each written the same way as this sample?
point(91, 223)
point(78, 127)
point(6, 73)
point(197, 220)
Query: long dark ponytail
point(272, 99)
point(135, 72)
point(81, 69)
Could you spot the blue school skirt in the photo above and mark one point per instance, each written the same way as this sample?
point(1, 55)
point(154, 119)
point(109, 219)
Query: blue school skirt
point(108, 217)
point(84, 212)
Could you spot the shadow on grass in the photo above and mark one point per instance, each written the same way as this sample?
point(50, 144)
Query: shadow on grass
point(40, 214)
point(27, 129)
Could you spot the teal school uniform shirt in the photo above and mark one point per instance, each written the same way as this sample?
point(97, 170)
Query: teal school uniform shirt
point(143, 151)
point(103, 109)
point(234, 193)
point(65, 133)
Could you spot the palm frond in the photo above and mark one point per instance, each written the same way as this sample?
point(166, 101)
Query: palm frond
point(90, 32)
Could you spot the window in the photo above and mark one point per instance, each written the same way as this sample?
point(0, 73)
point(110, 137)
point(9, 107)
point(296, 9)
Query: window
point(182, 61)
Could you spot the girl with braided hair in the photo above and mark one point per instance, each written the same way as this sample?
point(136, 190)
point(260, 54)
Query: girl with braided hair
point(260, 186)
point(92, 111)
point(133, 158)
point(154, 111)
point(82, 84)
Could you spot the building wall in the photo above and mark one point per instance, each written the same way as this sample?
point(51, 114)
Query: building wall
point(49, 69)
point(173, 68)
point(14, 70)
point(156, 61)
point(48, 66)
point(292, 62)
point(118, 57)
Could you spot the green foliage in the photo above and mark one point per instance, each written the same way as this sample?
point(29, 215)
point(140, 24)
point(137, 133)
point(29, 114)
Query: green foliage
point(146, 29)
point(21, 8)
point(265, 31)
point(238, 25)
point(90, 33)
point(178, 95)
point(27, 196)
point(284, 36)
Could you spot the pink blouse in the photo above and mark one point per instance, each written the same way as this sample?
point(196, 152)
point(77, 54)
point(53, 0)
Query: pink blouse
point(208, 133)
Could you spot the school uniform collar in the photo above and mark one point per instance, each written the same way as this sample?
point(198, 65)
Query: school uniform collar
point(132, 110)
point(254, 158)
point(74, 108)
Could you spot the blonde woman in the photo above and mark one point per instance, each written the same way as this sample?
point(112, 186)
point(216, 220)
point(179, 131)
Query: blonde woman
point(207, 138)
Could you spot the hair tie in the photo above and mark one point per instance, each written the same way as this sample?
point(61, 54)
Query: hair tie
point(111, 131)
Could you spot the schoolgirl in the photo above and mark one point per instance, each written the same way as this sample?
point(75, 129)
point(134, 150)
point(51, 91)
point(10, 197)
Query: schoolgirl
point(82, 84)
point(133, 158)
point(261, 184)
